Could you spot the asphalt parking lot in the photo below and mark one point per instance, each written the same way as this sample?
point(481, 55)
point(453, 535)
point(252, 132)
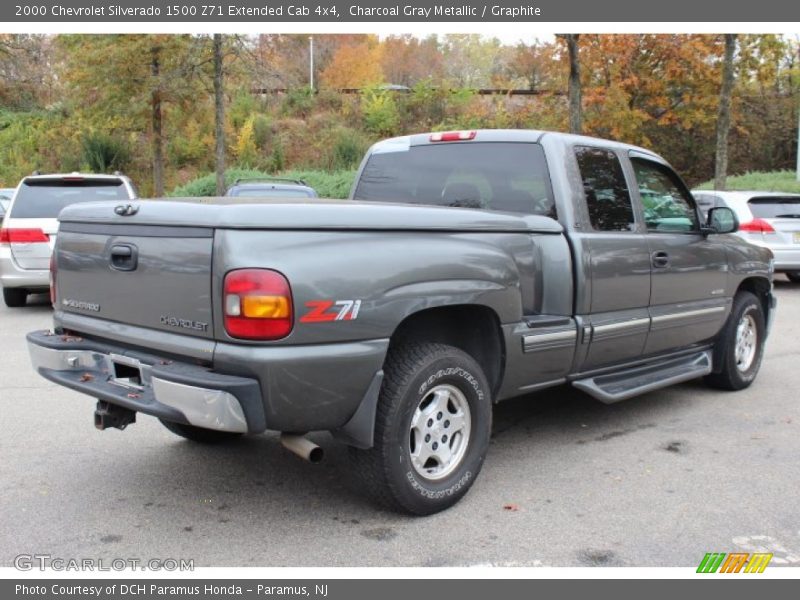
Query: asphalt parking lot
point(655, 481)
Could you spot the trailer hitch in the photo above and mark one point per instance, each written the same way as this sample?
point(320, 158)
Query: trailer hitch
point(110, 415)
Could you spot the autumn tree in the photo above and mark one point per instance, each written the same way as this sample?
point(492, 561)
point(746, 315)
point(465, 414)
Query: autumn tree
point(575, 89)
point(407, 60)
point(130, 79)
point(26, 75)
point(724, 114)
point(469, 59)
point(355, 65)
point(219, 115)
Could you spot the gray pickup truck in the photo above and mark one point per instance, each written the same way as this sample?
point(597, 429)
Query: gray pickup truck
point(467, 268)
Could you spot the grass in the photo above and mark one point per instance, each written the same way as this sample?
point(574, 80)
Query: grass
point(762, 181)
point(328, 185)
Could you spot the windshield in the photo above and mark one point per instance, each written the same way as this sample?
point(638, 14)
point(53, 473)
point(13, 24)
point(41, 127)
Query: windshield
point(503, 176)
point(775, 207)
point(44, 198)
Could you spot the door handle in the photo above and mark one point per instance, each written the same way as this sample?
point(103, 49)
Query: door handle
point(124, 257)
point(660, 259)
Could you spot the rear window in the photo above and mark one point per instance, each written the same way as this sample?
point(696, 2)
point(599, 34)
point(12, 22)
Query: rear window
point(774, 207)
point(44, 198)
point(510, 177)
point(269, 192)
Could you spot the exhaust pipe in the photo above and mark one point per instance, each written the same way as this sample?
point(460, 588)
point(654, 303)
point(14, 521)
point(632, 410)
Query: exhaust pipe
point(302, 447)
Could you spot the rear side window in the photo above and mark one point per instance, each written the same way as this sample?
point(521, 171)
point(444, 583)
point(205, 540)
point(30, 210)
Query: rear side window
point(607, 198)
point(775, 207)
point(44, 198)
point(502, 176)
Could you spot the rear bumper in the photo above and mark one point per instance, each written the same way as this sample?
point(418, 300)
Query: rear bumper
point(786, 259)
point(13, 276)
point(174, 391)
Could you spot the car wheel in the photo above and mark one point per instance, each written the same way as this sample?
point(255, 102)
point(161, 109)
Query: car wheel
point(793, 276)
point(200, 434)
point(740, 346)
point(15, 297)
point(432, 429)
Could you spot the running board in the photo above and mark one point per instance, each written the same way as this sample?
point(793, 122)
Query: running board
point(638, 380)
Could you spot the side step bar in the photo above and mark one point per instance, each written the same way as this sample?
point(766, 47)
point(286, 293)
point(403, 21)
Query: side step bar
point(638, 380)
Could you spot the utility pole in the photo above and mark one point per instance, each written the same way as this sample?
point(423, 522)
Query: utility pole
point(311, 62)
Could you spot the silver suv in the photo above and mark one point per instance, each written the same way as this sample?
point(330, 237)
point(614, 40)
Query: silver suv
point(30, 226)
point(769, 219)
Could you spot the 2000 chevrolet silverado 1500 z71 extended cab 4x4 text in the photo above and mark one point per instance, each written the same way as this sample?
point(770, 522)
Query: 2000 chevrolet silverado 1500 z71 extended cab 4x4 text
point(467, 268)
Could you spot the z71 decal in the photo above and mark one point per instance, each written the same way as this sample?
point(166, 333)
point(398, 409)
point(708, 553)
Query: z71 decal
point(331, 310)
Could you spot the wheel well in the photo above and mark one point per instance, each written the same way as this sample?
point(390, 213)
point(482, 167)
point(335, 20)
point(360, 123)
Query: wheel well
point(759, 287)
point(472, 328)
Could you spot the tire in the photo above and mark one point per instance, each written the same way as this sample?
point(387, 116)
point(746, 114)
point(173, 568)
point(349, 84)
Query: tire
point(200, 434)
point(15, 297)
point(793, 276)
point(745, 326)
point(425, 384)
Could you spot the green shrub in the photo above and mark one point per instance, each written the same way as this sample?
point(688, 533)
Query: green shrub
point(347, 149)
point(298, 103)
point(381, 115)
point(764, 181)
point(103, 153)
point(262, 131)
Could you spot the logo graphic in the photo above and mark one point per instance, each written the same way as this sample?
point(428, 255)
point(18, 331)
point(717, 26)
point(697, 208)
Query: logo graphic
point(735, 562)
point(343, 310)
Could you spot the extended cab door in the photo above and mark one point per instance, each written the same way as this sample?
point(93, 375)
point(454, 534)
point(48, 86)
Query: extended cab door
point(689, 270)
point(612, 262)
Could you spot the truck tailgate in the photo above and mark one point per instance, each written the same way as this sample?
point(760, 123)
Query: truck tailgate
point(145, 275)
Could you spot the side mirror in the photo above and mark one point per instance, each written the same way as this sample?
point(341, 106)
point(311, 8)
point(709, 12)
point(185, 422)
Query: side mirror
point(721, 220)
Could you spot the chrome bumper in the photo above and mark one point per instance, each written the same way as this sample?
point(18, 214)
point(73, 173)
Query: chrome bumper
point(173, 391)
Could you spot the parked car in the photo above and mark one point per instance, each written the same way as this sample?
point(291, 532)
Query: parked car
point(29, 229)
point(5, 200)
point(467, 268)
point(271, 187)
point(768, 219)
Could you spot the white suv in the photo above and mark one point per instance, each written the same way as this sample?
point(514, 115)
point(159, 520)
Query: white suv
point(31, 223)
point(770, 219)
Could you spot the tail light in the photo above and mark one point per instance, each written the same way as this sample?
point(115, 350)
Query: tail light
point(23, 236)
point(756, 226)
point(53, 272)
point(453, 136)
point(257, 304)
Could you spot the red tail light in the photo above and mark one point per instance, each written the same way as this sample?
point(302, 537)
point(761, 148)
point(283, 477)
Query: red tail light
point(23, 236)
point(453, 136)
point(757, 226)
point(257, 304)
point(53, 271)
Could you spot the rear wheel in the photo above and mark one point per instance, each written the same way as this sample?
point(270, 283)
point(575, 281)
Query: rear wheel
point(432, 429)
point(740, 347)
point(15, 297)
point(200, 434)
point(793, 276)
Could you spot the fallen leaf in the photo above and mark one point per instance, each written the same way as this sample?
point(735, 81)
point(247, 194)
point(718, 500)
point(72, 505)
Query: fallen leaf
point(511, 507)
point(87, 377)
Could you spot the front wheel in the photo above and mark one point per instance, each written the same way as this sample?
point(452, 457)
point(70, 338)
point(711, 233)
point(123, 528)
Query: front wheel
point(432, 429)
point(740, 345)
point(200, 434)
